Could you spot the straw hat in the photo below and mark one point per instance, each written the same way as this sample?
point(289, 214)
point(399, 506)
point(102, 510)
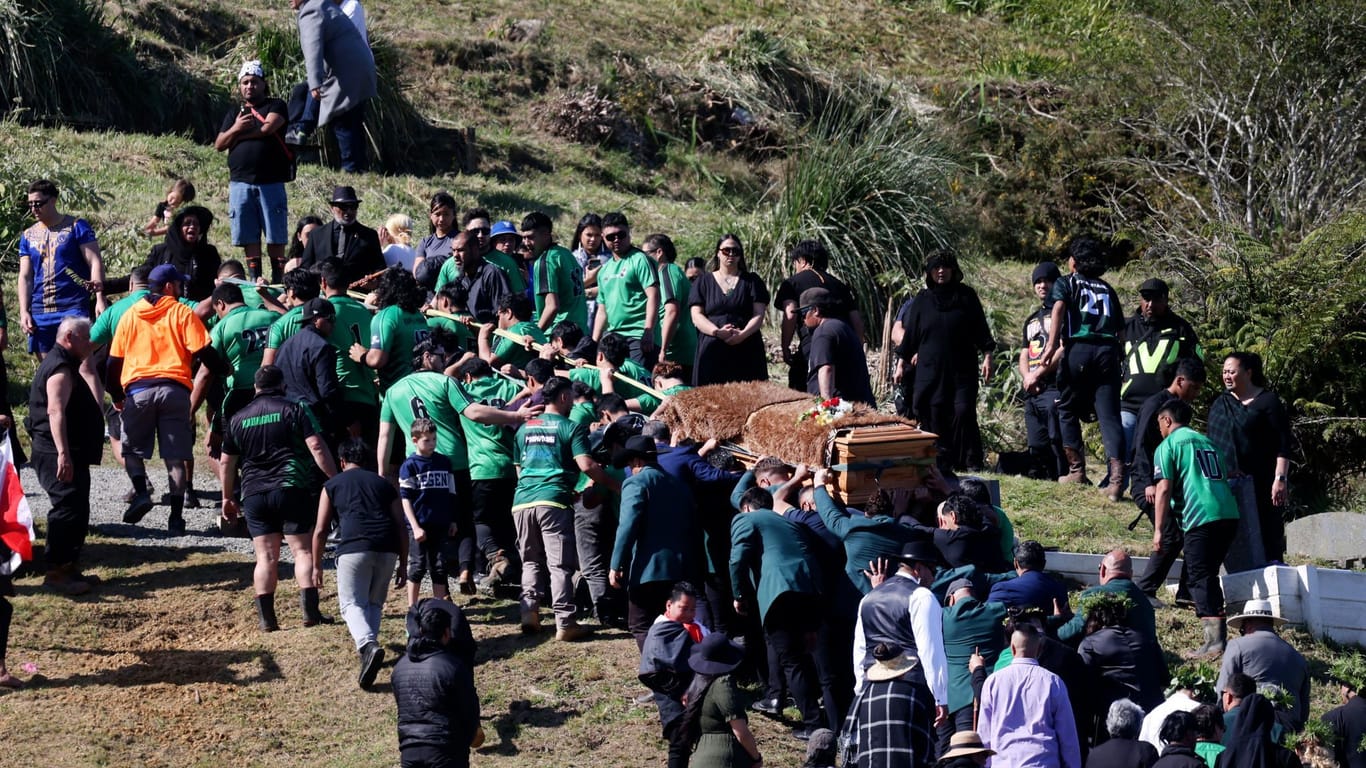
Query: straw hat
point(966, 744)
point(892, 668)
point(1255, 609)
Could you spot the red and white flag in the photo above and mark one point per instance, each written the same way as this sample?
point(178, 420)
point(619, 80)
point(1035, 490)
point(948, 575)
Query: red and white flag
point(16, 519)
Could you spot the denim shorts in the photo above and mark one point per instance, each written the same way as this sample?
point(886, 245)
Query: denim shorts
point(253, 208)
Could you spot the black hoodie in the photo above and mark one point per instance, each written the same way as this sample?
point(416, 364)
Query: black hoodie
point(200, 261)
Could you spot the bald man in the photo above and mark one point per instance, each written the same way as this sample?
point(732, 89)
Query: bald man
point(1116, 575)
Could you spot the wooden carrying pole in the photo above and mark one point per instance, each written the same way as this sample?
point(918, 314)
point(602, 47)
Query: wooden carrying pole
point(519, 339)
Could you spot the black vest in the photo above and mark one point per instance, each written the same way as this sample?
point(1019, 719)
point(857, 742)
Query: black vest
point(84, 417)
point(886, 620)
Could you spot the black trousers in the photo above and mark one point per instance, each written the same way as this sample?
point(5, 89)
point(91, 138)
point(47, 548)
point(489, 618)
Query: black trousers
point(834, 649)
point(1043, 433)
point(958, 721)
point(787, 627)
point(644, 602)
point(1160, 562)
point(680, 746)
point(69, 520)
point(1206, 547)
point(491, 501)
point(1088, 382)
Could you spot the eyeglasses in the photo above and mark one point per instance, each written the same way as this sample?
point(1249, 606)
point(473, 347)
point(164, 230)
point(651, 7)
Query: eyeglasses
point(36, 204)
point(729, 251)
point(612, 237)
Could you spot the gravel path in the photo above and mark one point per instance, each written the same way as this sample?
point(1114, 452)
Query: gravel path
point(107, 486)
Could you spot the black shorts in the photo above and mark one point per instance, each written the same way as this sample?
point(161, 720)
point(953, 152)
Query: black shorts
point(429, 556)
point(283, 510)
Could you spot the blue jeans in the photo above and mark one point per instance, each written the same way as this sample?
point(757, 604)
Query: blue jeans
point(349, 128)
point(362, 585)
point(254, 208)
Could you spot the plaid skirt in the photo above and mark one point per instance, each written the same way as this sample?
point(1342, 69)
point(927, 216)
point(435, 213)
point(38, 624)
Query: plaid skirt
point(890, 726)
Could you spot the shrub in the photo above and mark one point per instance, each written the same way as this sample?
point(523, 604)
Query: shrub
point(867, 183)
point(77, 194)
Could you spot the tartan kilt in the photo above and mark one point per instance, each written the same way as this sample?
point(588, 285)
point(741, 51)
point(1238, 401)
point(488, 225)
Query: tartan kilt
point(894, 723)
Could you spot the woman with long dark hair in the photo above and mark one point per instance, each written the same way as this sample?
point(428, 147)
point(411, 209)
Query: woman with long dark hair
point(435, 248)
point(299, 240)
point(187, 248)
point(728, 304)
point(1249, 425)
point(591, 253)
point(945, 332)
point(714, 710)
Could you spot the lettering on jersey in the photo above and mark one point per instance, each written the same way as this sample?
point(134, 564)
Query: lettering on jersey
point(419, 408)
point(434, 478)
point(259, 421)
point(540, 438)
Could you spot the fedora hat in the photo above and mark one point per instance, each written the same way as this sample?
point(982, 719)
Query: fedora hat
point(1256, 608)
point(715, 655)
point(966, 744)
point(344, 196)
point(921, 551)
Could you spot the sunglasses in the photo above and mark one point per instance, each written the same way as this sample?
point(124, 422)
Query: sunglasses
point(346, 206)
point(35, 204)
point(484, 230)
point(612, 237)
point(801, 311)
point(729, 251)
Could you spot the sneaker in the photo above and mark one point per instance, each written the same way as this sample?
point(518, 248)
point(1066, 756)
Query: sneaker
point(175, 525)
point(138, 508)
point(531, 622)
point(572, 633)
point(371, 657)
point(298, 136)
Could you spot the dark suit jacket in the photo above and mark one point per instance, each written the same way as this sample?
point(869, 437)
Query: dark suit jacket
point(363, 254)
point(658, 536)
point(769, 557)
point(1030, 588)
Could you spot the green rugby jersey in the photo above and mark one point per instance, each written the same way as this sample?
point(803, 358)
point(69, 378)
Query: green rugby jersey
point(489, 446)
point(1191, 464)
point(545, 449)
point(558, 272)
point(396, 332)
point(510, 351)
point(287, 325)
point(352, 327)
point(429, 395)
point(240, 336)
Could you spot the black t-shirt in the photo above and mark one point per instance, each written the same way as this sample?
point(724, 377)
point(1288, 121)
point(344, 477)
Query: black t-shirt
point(834, 343)
point(261, 160)
point(269, 435)
point(362, 500)
point(790, 290)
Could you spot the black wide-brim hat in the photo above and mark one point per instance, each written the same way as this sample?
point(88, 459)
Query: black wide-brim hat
point(715, 655)
point(344, 196)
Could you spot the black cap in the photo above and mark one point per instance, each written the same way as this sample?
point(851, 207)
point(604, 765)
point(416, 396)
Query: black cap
point(636, 447)
point(1154, 285)
point(1045, 271)
point(816, 297)
point(317, 307)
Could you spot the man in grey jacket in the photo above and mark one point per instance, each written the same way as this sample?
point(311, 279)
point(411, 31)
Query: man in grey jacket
point(341, 76)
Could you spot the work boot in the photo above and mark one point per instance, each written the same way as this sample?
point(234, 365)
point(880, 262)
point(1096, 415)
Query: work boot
point(371, 657)
point(498, 566)
point(1076, 468)
point(570, 633)
point(308, 601)
point(1116, 488)
point(138, 508)
point(1216, 633)
point(531, 621)
point(61, 581)
point(265, 612)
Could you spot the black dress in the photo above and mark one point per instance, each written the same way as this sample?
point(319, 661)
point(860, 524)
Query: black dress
point(1250, 438)
point(718, 362)
point(947, 328)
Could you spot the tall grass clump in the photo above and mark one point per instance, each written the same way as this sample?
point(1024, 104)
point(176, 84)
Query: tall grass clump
point(870, 184)
point(78, 194)
point(397, 131)
point(59, 63)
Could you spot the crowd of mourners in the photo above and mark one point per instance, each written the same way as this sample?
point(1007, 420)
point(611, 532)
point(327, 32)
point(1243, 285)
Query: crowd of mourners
point(471, 410)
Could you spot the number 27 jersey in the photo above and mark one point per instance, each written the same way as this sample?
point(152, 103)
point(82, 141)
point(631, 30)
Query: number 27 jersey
point(1093, 309)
